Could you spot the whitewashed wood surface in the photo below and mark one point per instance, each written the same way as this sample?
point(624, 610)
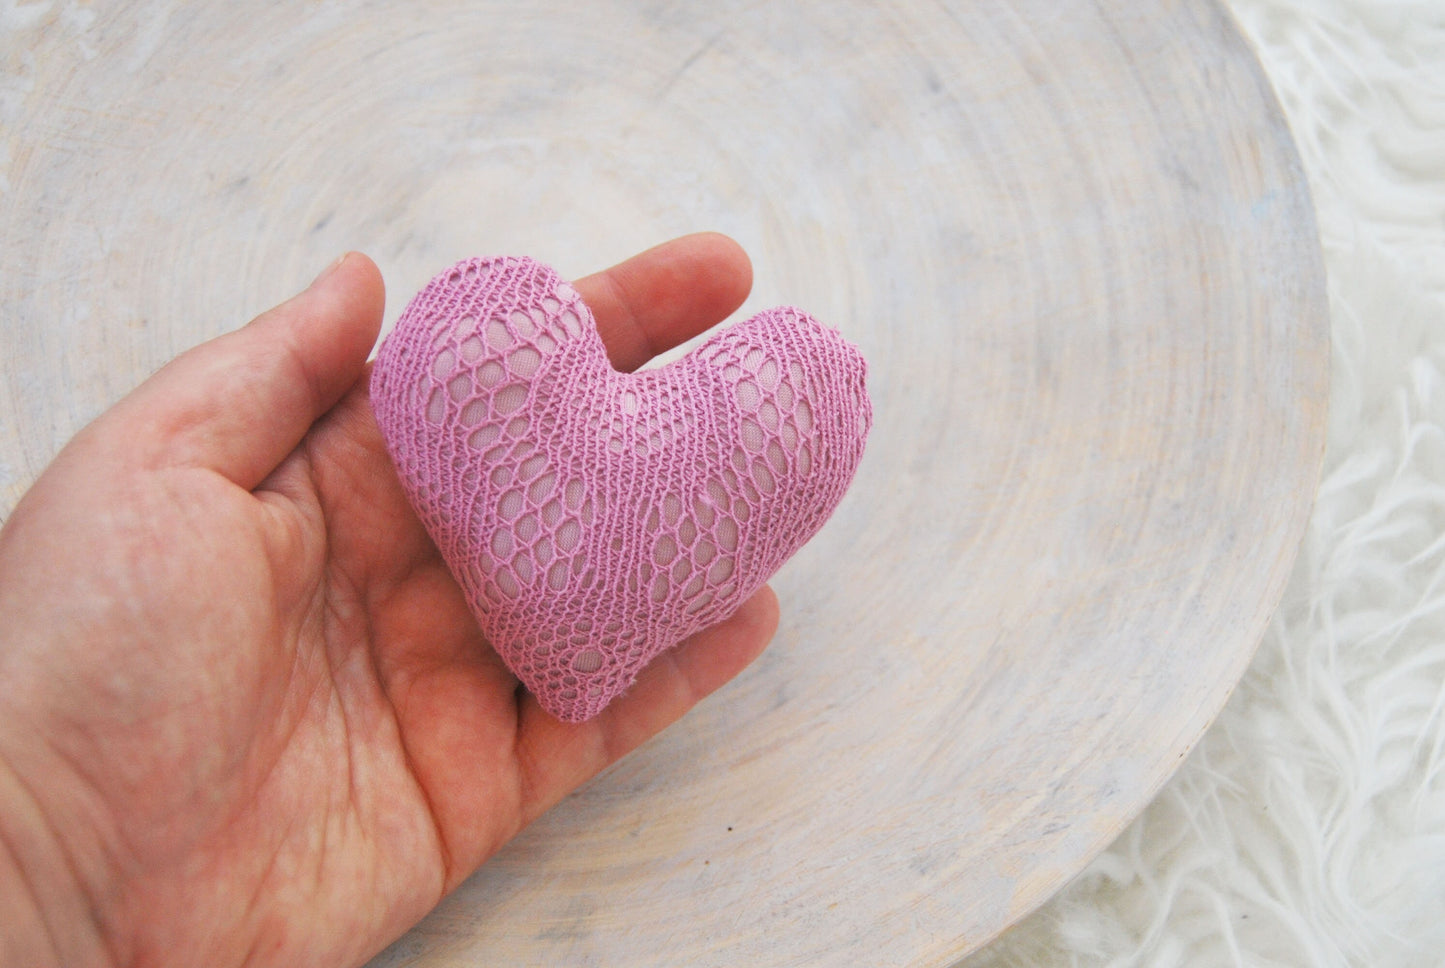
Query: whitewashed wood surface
point(1072, 238)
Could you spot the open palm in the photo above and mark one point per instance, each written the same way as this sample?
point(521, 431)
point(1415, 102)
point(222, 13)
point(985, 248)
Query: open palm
point(247, 717)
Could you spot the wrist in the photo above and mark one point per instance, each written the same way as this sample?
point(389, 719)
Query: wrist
point(48, 916)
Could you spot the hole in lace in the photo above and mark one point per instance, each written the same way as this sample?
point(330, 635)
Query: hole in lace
point(436, 407)
point(664, 550)
point(704, 552)
point(528, 527)
point(489, 374)
point(768, 414)
point(483, 436)
point(776, 457)
point(472, 349)
point(763, 477)
point(568, 535)
point(497, 335)
point(541, 488)
point(768, 374)
point(523, 324)
point(720, 570)
point(443, 364)
point(748, 396)
point(588, 661)
point(702, 513)
point(460, 387)
point(752, 435)
point(557, 576)
point(510, 398)
point(474, 413)
point(524, 362)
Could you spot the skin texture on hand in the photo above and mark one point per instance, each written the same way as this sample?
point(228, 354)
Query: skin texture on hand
point(246, 715)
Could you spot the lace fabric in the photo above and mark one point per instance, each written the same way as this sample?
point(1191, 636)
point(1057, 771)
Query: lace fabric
point(594, 518)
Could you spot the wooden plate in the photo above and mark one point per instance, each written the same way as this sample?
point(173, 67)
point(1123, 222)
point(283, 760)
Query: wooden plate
point(1073, 240)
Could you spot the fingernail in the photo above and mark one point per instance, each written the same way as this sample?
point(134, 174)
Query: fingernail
point(329, 270)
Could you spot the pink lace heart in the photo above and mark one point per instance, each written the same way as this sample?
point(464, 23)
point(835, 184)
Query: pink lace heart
point(596, 518)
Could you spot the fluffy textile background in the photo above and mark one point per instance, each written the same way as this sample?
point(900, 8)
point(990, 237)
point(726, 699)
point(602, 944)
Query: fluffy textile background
point(1308, 827)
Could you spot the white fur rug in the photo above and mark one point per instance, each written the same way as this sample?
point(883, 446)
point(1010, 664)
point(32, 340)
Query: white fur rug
point(1308, 828)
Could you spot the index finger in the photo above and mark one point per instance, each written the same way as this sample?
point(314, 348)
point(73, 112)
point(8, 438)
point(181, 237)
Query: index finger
point(666, 295)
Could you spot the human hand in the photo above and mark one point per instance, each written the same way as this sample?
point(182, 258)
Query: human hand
point(246, 716)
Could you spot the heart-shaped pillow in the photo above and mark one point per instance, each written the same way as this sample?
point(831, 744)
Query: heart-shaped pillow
point(596, 518)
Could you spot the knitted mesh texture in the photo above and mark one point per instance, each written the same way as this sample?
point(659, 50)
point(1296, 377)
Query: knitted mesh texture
point(594, 518)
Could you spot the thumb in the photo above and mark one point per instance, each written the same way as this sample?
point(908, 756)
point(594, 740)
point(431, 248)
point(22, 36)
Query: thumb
point(240, 403)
